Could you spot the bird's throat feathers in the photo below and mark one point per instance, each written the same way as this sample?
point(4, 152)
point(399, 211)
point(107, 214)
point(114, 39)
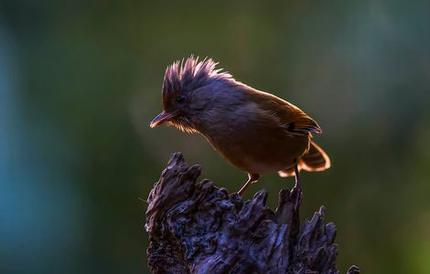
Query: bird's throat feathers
point(183, 124)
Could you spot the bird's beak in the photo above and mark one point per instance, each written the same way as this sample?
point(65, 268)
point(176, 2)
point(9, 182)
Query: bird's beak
point(162, 118)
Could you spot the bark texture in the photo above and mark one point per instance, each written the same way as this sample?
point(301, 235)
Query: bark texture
point(196, 227)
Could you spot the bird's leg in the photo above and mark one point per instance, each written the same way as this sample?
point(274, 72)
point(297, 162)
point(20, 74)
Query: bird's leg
point(252, 178)
point(297, 176)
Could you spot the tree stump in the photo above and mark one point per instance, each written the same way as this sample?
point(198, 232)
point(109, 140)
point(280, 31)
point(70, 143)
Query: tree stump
point(196, 227)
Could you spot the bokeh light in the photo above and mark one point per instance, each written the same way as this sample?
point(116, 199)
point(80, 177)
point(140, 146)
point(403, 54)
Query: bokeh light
point(80, 81)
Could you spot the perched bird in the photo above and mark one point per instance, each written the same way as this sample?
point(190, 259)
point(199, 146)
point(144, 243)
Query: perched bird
point(253, 130)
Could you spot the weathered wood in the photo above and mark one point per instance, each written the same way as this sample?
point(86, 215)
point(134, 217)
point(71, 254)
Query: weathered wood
point(200, 228)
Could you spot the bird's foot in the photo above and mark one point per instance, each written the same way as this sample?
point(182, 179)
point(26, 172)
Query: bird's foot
point(297, 183)
point(252, 178)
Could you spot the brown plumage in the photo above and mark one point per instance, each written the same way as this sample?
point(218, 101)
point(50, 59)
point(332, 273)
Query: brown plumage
point(253, 130)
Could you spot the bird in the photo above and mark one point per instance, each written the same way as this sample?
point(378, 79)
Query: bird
point(253, 130)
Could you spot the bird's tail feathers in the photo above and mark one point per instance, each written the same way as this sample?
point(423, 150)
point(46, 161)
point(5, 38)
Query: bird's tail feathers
point(314, 160)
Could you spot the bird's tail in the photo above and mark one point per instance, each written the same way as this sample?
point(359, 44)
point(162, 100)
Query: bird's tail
point(314, 160)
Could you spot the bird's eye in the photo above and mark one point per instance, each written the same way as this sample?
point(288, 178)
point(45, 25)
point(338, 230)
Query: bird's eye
point(180, 99)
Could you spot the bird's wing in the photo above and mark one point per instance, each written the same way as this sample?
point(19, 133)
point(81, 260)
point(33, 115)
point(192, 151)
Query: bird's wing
point(292, 118)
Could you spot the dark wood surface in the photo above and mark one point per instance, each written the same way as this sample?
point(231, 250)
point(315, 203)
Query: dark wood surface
point(196, 227)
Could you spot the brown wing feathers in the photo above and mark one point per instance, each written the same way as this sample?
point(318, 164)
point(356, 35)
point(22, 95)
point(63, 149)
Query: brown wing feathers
point(292, 118)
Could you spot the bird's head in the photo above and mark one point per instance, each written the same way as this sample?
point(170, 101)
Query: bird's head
point(187, 90)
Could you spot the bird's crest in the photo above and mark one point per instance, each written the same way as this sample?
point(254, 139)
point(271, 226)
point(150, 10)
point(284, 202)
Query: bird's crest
point(190, 74)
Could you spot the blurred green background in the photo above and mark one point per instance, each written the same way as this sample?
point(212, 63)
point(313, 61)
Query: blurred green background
point(80, 81)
